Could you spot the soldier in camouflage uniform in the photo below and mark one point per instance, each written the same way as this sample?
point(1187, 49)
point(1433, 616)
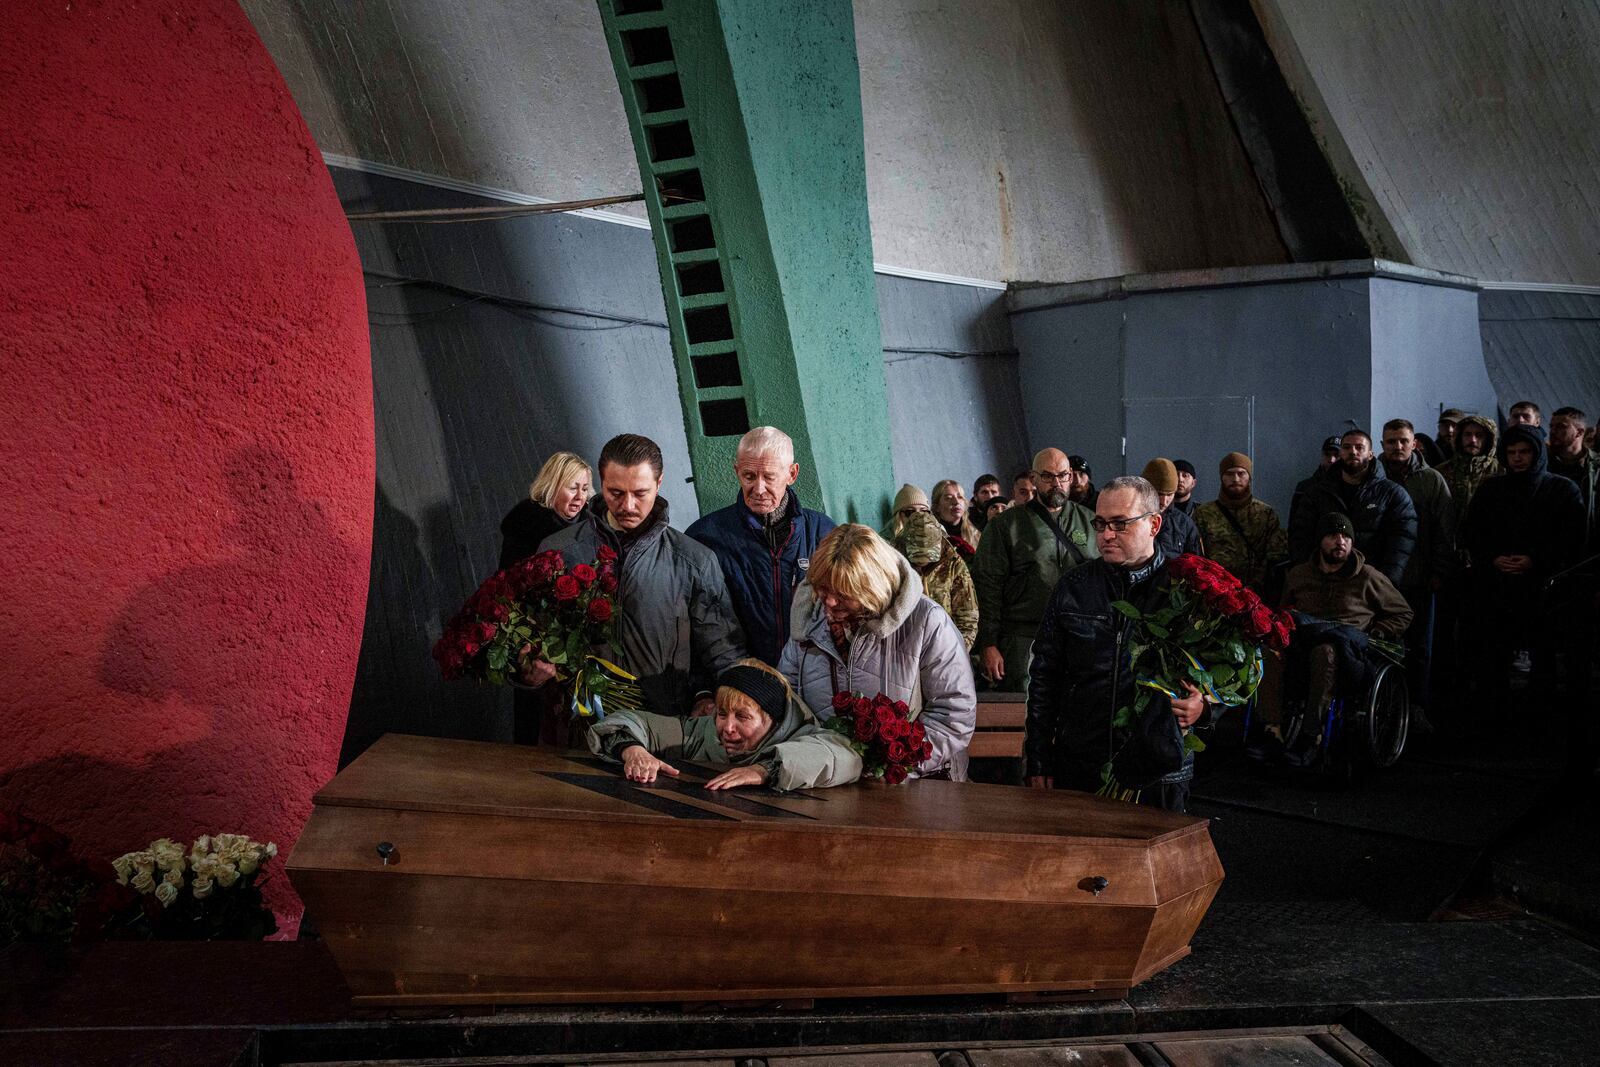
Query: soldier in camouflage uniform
point(1474, 461)
point(1239, 531)
point(945, 578)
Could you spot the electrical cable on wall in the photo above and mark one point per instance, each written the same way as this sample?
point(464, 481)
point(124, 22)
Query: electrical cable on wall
point(525, 308)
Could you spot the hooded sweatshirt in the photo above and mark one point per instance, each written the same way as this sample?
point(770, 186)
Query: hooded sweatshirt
point(1529, 513)
point(796, 753)
point(1464, 473)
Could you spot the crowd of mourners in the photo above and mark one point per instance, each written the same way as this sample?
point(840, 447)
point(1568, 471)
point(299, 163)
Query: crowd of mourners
point(1473, 550)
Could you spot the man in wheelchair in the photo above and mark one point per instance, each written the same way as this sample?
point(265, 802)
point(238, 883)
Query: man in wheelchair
point(1341, 603)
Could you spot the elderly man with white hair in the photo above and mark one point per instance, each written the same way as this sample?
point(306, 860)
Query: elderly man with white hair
point(764, 539)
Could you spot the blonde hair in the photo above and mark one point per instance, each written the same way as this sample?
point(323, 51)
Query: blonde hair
point(969, 529)
point(853, 561)
point(557, 471)
point(730, 699)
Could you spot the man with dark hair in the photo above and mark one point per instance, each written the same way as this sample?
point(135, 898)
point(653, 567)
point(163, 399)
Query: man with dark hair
point(1523, 413)
point(1572, 460)
point(1023, 554)
point(1434, 559)
point(1184, 499)
point(1021, 488)
point(984, 490)
point(1082, 492)
point(1239, 531)
point(1524, 527)
point(1357, 487)
point(1081, 672)
point(1330, 453)
point(677, 627)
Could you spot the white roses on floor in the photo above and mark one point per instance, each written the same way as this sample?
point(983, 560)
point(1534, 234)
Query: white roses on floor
point(213, 862)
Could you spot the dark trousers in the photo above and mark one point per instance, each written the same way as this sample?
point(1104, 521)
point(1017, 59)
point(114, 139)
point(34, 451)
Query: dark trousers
point(1419, 646)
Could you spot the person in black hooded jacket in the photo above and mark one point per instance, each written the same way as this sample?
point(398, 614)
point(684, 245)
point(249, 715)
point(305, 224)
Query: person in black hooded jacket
point(1522, 529)
point(1356, 485)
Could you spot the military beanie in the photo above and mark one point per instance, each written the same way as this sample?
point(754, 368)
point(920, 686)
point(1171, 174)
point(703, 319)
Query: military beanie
point(1335, 522)
point(1236, 459)
point(1162, 474)
point(909, 496)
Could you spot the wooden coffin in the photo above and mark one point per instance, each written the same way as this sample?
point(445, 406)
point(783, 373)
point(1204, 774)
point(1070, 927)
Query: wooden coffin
point(521, 875)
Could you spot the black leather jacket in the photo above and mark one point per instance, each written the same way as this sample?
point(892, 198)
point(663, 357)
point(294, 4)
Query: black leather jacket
point(1081, 675)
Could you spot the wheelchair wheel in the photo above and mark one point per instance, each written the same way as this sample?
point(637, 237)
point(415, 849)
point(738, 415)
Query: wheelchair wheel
point(1385, 720)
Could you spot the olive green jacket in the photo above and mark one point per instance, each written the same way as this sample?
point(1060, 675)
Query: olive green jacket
point(1249, 556)
point(796, 753)
point(1019, 563)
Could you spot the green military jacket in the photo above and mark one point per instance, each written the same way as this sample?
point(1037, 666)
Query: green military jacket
point(1018, 564)
point(1249, 550)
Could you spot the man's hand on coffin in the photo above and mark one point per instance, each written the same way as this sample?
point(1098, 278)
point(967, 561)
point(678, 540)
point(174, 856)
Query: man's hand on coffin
point(535, 672)
point(639, 766)
point(738, 776)
point(1041, 781)
point(1189, 709)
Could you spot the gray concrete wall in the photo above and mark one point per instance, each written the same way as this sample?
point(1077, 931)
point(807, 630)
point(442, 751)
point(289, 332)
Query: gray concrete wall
point(1070, 369)
point(1301, 350)
point(1427, 354)
point(955, 409)
point(1474, 123)
point(1544, 347)
point(1005, 138)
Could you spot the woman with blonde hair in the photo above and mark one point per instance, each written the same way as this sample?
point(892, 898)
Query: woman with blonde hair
point(557, 494)
point(759, 728)
point(907, 502)
point(950, 508)
point(861, 624)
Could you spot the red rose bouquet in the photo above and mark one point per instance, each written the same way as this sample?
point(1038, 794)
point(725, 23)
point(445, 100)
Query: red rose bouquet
point(882, 732)
point(541, 609)
point(47, 893)
point(1210, 632)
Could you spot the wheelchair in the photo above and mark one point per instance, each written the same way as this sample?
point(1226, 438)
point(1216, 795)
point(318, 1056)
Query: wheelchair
point(1367, 731)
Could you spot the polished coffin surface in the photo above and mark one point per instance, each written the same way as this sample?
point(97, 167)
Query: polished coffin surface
point(522, 875)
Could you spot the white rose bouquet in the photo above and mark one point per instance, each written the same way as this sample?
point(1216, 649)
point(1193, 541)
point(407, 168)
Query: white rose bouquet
point(209, 893)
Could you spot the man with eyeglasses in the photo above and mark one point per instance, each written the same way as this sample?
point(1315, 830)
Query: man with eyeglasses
point(1082, 673)
point(1024, 552)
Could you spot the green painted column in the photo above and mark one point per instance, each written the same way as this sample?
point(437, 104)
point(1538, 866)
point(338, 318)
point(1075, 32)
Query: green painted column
point(746, 119)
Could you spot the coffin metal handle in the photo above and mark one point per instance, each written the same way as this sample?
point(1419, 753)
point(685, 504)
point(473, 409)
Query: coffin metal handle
point(387, 852)
point(1097, 885)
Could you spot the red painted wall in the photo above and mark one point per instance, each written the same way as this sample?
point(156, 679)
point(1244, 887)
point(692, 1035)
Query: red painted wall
point(186, 441)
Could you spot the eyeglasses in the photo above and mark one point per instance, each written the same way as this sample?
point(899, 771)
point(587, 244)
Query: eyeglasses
point(1060, 477)
point(1116, 525)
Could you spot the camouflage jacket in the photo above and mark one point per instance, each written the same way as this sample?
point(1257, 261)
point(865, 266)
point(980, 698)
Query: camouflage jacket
point(948, 583)
point(1249, 549)
point(1465, 473)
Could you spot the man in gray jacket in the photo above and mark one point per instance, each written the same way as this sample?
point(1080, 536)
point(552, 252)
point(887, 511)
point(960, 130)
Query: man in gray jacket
point(676, 628)
point(1432, 561)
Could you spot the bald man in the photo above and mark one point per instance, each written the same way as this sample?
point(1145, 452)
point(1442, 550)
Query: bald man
point(1024, 552)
